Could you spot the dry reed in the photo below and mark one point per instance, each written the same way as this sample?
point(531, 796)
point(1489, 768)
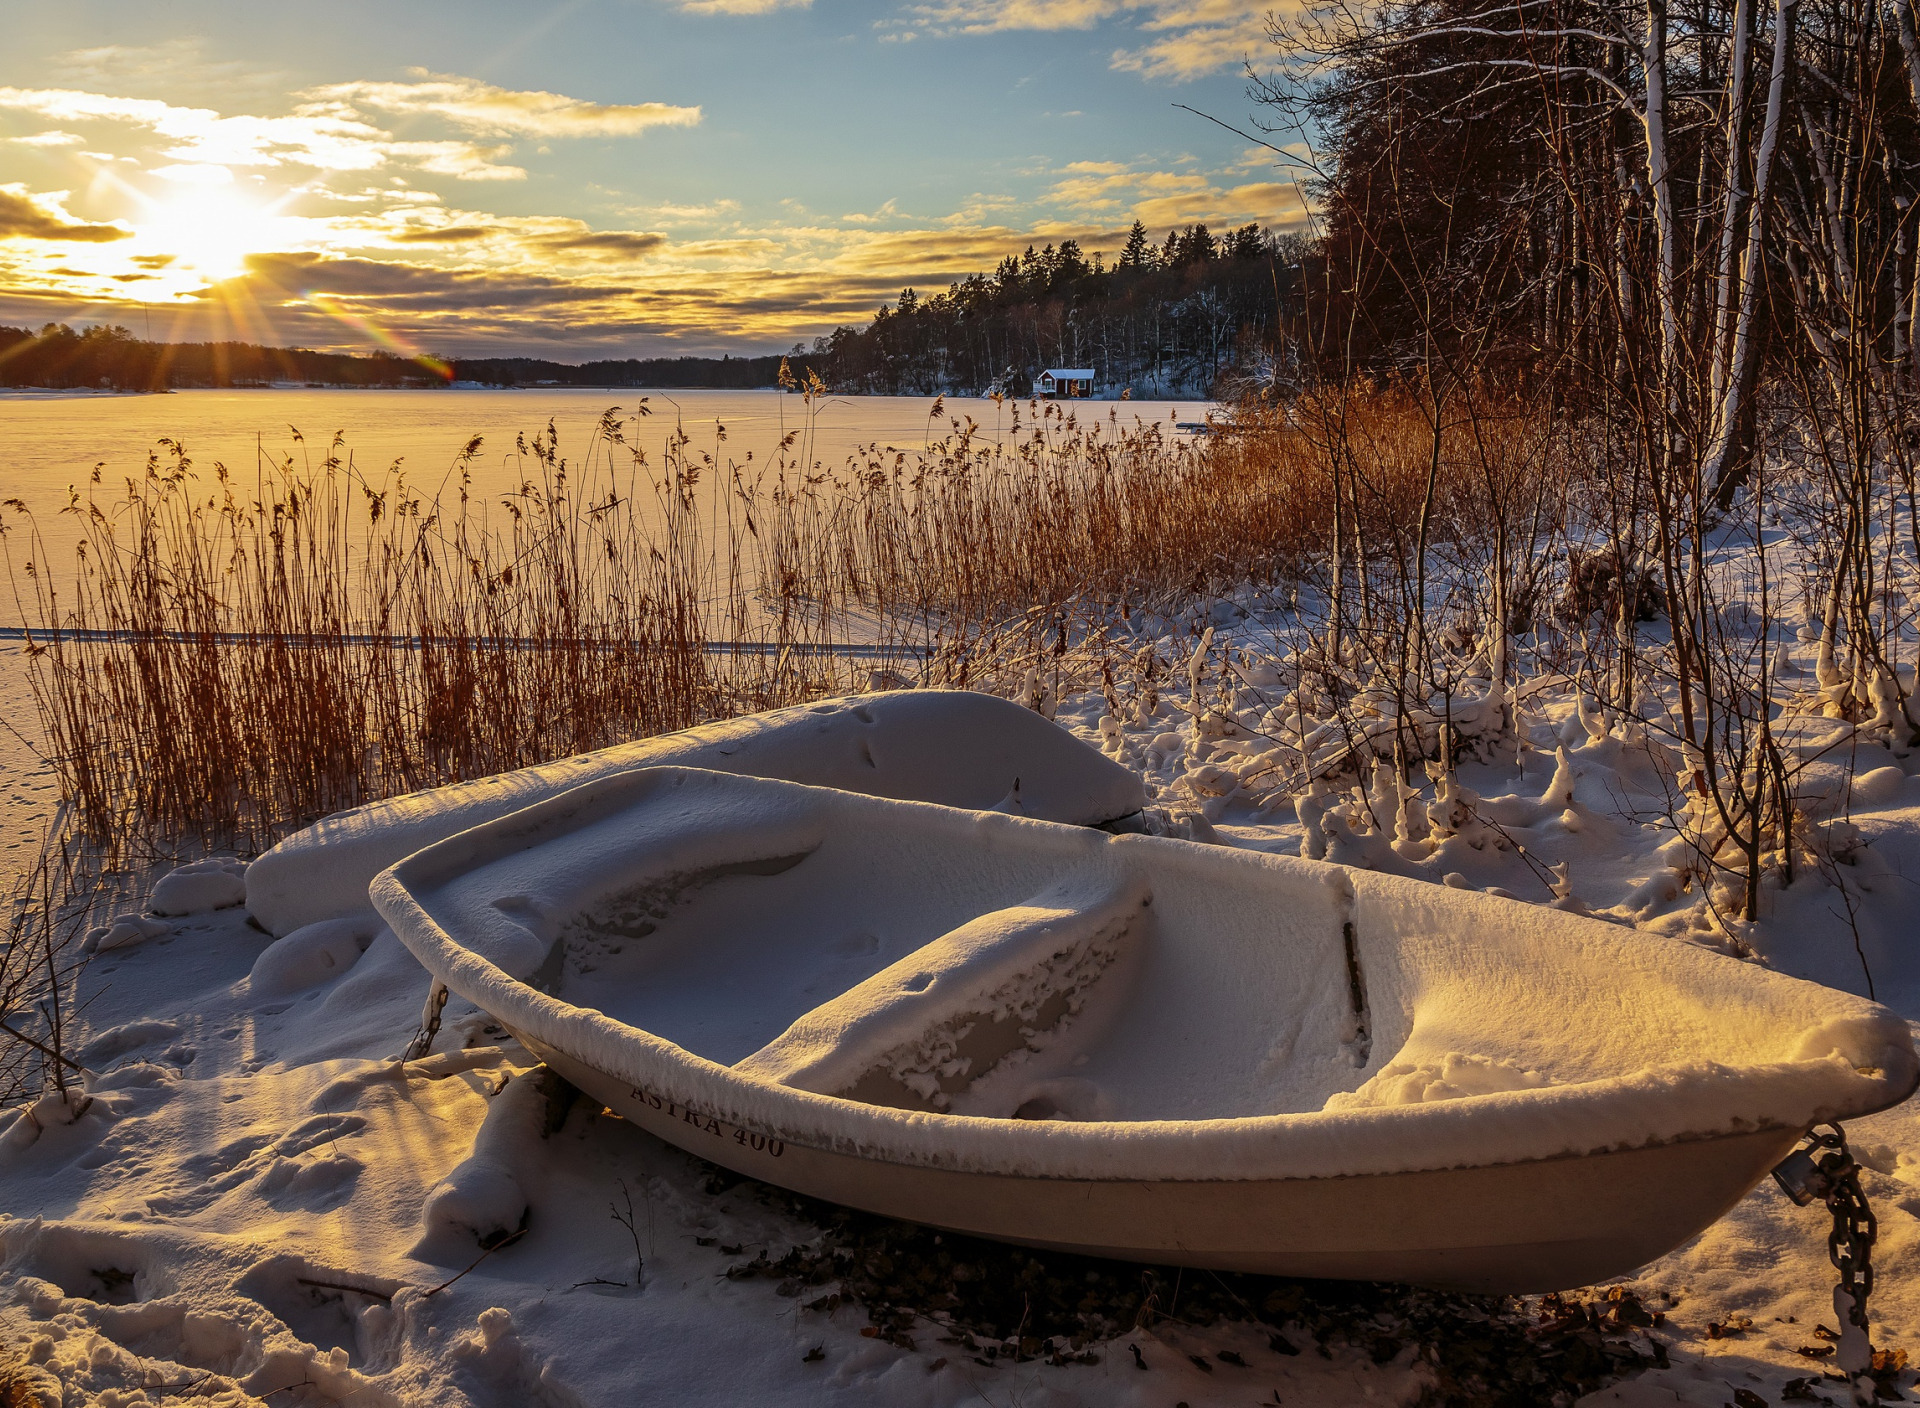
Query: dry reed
point(228, 660)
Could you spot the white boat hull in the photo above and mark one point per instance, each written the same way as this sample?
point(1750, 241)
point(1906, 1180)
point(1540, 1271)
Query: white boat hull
point(1133, 1047)
point(1498, 1228)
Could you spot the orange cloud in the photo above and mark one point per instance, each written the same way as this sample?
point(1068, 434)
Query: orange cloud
point(26, 216)
point(482, 107)
point(1197, 37)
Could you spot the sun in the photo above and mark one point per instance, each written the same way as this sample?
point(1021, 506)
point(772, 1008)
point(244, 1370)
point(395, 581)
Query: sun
point(210, 230)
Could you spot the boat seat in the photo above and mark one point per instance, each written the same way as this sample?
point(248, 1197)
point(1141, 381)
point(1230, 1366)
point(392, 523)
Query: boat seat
point(984, 998)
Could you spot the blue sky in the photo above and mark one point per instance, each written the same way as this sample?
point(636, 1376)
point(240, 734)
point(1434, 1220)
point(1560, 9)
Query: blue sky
point(596, 177)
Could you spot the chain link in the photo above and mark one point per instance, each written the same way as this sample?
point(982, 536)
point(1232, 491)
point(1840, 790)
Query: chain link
point(1833, 1177)
point(1850, 1243)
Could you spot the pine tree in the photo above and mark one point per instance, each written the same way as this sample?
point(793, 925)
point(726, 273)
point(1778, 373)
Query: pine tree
point(1138, 253)
point(1196, 246)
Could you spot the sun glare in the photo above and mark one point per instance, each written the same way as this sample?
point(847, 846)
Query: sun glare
point(211, 230)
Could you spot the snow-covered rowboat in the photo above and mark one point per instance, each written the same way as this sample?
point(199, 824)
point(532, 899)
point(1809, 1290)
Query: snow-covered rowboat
point(1131, 1046)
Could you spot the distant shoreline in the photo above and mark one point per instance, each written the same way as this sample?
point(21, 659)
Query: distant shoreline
point(68, 393)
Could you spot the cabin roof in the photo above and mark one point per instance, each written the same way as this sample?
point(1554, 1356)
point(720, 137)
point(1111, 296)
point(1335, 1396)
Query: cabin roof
point(1070, 373)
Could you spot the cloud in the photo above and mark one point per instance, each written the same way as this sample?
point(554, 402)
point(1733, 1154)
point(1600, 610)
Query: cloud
point(632, 243)
point(889, 211)
point(460, 160)
point(179, 62)
point(344, 255)
point(682, 214)
point(331, 132)
point(195, 174)
point(55, 138)
point(753, 248)
point(1192, 50)
point(993, 16)
point(1195, 37)
point(483, 108)
point(1161, 198)
point(505, 236)
point(337, 140)
point(741, 7)
point(444, 234)
point(281, 278)
point(1276, 204)
point(24, 215)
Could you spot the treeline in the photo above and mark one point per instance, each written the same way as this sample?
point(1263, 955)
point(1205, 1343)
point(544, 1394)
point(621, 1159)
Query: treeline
point(1684, 212)
point(1191, 315)
point(112, 358)
point(718, 373)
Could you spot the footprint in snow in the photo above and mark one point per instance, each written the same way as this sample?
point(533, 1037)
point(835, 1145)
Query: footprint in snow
point(272, 1160)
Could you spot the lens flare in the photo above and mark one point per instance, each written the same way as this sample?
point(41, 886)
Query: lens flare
point(210, 230)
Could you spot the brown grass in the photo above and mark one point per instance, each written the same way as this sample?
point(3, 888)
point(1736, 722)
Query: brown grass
point(986, 548)
point(228, 660)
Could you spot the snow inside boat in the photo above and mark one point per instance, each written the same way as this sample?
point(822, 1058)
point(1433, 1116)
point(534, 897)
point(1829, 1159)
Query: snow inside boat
point(1130, 1046)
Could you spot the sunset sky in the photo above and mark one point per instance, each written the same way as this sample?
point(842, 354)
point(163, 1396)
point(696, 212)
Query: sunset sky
point(596, 177)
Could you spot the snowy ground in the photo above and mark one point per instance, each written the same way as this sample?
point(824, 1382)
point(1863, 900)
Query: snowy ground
point(238, 1215)
point(29, 789)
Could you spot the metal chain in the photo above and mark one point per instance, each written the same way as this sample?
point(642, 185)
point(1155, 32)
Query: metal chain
point(1850, 1243)
point(1833, 1177)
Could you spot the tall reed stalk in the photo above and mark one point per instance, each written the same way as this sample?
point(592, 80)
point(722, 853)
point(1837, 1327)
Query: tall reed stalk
point(230, 659)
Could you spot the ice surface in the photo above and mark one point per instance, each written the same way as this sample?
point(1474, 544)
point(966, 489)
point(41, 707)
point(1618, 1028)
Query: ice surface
point(950, 746)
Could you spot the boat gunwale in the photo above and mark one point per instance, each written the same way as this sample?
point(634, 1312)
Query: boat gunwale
point(1177, 1181)
point(1245, 1147)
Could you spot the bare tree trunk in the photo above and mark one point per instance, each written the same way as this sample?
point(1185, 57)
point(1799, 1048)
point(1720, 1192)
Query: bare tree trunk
point(1745, 366)
point(1736, 152)
point(1910, 47)
point(1660, 185)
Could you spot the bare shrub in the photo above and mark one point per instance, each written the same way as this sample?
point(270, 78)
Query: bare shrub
point(49, 910)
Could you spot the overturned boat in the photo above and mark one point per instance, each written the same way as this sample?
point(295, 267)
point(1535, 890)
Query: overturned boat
point(951, 746)
point(1131, 1046)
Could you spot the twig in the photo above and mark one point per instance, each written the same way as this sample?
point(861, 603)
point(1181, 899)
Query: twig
point(497, 1246)
point(44, 1050)
point(626, 1221)
point(284, 1388)
point(382, 1296)
point(183, 1386)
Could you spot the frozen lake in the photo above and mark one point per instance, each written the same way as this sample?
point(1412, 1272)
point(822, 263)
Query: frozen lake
point(51, 441)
